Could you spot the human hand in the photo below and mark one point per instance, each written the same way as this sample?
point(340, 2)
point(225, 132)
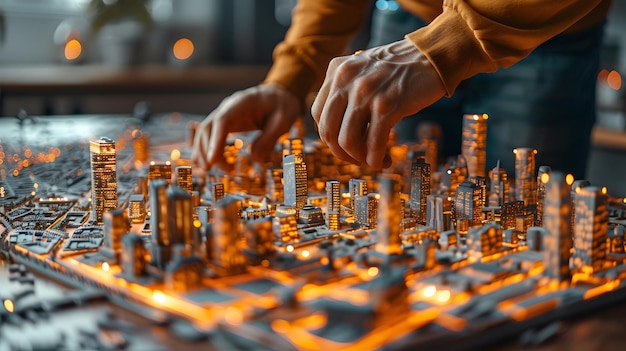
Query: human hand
point(364, 95)
point(269, 108)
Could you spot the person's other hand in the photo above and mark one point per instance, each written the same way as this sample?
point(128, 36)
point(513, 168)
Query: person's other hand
point(364, 95)
point(269, 108)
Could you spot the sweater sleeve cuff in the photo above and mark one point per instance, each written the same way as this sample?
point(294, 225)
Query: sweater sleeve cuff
point(291, 72)
point(453, 50)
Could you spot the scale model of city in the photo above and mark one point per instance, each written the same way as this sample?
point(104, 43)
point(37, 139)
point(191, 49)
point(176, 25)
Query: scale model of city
point(306, 252)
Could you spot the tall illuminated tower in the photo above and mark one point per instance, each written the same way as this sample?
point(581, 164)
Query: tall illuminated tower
point(499, 187)
point(388, 240)
point(226, 251)
point(274, 183)
point(333, 195)
point(467, 202)
point(115, 227)
point(577, 185)
point(420, 188)
point(439, 215)
point(295, 181)
point(160, 171)
point(184, 178)
point(103, 177)
point(543, 174)
point(474, 143)
point(180, 216)
point(357, 187)
point(365, 211)
point(525, 176)
point(217, 193)
point(159, 223)
point(557, 241)
point(591, 228)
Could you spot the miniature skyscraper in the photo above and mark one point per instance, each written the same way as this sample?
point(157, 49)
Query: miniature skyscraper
point(474, 143)
point(365, 211)
point(115, 227)
point(184, 178)
point(467, 203)
point(543, 174)
point(420, 188)
point(499, 191)
point(557, 219)
point(333, 195)
point(217, 193)
point(388, 240)
point(295, 181)
point(227, 253)
point(159, 223)
point(356, 187)
point(103, 177)
point(591, 227)
point(525, 176)
point(179, 216)
point(160, 171)
point(439, 213)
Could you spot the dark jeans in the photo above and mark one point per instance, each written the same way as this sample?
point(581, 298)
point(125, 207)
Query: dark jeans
point(546, 101)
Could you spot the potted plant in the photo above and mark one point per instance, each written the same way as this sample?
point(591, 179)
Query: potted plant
point(120, 27)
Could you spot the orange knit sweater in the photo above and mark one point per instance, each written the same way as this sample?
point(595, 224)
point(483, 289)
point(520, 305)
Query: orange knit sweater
point(463, 37)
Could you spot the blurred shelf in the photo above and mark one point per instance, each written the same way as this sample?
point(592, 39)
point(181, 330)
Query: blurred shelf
point(608, 138)
point(89, 79)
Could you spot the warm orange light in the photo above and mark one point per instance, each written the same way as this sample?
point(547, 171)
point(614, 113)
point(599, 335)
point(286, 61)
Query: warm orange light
point(73, 50)
point(306, 253)
point(233, 315)
point(289, 248)
point(430, 291)
point(175, 155)
point(614, 80)
point(9, 305)
point(159, 297)
point(372, 271)
point(197, 223)
point(625, 200)
point(183, 49)
point(545, 178)
point(16, 173)
point(569, 179)
point(604, 190)
point(603, 76)
point(105, 267)
point(36, 185)
point(443, 296)
point(238, 143)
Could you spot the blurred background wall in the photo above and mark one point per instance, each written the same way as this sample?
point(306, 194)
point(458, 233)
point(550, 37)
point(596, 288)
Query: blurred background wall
point(196, 52)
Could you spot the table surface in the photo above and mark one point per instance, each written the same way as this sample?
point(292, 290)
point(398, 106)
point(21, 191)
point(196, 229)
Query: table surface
point(602, 329)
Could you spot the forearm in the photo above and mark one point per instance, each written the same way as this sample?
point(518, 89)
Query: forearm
point(320, 30)
point(479, 36)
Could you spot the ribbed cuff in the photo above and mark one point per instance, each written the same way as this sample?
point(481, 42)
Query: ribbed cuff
point(451, 47)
